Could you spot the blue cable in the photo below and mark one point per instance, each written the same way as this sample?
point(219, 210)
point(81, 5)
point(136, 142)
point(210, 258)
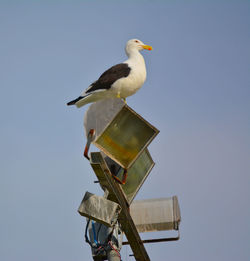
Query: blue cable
point(93, 229)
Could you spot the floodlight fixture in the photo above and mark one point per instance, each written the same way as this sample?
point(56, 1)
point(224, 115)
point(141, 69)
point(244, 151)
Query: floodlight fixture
point(99, 209)
point(118, 131)
point(156, 214)
point(136, 174)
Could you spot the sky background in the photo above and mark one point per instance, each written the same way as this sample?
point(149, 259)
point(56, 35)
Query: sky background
point(197, 94)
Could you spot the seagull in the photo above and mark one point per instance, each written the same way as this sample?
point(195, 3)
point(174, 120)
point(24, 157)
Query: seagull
point(119, 81)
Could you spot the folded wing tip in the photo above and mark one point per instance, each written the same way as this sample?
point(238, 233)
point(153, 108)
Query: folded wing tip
point(73, 102)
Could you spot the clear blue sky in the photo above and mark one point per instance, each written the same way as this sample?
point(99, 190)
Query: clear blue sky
point(197, 94)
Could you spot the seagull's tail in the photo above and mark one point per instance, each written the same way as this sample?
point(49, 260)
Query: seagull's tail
point(89, 97)
point(83, 100)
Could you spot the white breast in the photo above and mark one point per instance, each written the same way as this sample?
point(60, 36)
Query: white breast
point(133, 82)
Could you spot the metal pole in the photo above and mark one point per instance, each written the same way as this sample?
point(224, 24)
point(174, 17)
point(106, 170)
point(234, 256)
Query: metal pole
point(126, 221)
point(107, 240)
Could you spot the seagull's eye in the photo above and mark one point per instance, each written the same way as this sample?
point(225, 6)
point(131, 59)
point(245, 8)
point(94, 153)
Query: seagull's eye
point(136, 41)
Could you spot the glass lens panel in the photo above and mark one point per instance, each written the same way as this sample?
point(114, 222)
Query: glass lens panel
point(125, 137)
point(136, 175)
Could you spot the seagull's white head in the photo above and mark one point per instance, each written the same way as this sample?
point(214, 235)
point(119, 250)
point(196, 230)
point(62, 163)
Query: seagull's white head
point(135, 44)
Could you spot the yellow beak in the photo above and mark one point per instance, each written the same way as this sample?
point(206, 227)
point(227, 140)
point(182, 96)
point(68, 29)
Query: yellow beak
point(147, 47)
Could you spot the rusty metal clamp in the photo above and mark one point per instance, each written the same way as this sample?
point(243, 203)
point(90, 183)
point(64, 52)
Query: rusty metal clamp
point(89, 140)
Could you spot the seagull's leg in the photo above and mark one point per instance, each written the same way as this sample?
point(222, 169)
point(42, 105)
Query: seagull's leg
point(118, 95)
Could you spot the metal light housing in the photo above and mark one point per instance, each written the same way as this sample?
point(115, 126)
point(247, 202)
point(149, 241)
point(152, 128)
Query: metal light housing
point(156, 214)
point(99, 209)
point(120, 132)
point(137, 173)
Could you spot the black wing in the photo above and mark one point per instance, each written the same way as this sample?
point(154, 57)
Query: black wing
point(109, 77)
point(74, 101)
